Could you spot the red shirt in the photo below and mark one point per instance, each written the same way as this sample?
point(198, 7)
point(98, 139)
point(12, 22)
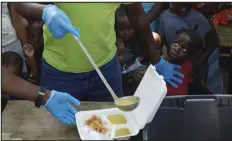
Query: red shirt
point(188, 78)
point(223, 17)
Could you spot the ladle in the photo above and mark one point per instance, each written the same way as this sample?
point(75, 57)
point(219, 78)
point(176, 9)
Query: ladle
point(128, 103)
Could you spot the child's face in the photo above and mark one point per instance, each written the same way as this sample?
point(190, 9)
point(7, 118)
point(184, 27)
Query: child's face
point(124, 29)
point(181, 9)
point(178, 51)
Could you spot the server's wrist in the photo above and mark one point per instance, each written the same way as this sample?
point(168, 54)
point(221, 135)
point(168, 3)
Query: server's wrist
point(46, 97)
point(42, 97)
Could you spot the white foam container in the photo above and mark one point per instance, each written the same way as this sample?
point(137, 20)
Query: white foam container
point(151, 90)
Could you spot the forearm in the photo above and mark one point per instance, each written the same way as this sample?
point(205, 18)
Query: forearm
point(203, 56)
point(155, 12)
point(20, 25)
point(32, 64)
point(135, 13)
point(29, 11)
point(34, 33)
point(21, 30)
point(211, 43)
point(15, 86)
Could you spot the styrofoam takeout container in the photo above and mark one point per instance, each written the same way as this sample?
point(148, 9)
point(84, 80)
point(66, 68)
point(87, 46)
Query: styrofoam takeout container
point(151, 91)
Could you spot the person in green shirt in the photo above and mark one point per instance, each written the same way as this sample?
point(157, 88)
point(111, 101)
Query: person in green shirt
point(66, 68)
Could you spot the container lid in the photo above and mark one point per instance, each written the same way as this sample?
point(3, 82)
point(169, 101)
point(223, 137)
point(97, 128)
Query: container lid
point(151, 91)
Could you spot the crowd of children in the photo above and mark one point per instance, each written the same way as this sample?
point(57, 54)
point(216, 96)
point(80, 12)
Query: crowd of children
point(184, 35)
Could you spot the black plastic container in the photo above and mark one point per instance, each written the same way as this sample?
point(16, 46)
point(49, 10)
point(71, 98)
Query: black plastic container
point(197, 118)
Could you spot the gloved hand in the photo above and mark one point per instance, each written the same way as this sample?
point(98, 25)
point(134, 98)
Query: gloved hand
point(169, 72)
point(58, 22)
point(58, 105)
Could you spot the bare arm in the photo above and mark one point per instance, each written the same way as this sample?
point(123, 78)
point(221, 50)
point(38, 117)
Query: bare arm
point(15, 86)
point(136, 13)
point(211, 43)
point(33, 65)
point(19, 23)
point(155, 12)
point(29, 11)
point(34, 32)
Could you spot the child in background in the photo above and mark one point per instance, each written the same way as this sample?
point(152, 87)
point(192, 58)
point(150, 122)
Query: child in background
point(129, 53)
point(182, 50)
point(126, 38)
point(22, 45)
point(11, 21)
point(123, 27)
point(181, 15)
point(13, 62)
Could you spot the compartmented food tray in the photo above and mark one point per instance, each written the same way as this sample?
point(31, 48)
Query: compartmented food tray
point(97, 125)
point(86, 131)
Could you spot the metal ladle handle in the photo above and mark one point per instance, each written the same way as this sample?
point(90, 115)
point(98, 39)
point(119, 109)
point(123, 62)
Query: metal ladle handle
point(96, 68)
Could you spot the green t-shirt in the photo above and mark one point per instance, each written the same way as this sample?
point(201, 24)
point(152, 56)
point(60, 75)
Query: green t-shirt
point(96, 23)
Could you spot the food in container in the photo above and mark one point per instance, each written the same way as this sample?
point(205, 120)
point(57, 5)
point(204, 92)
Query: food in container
point(122, 132)
point(97, 124)
point(125, 102)
point(151, 92)
point(117, 119)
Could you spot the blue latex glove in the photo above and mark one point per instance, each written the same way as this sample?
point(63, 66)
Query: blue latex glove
point(58, 22)
point(59, 106)
point(169, 72)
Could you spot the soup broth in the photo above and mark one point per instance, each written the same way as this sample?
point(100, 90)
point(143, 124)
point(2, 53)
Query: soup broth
point(122, 132)
point(117, 119)
point(125, 102)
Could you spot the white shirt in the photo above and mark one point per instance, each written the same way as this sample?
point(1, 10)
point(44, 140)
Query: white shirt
point(8, 32)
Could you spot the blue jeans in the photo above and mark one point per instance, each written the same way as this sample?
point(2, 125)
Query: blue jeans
point(84, 85)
